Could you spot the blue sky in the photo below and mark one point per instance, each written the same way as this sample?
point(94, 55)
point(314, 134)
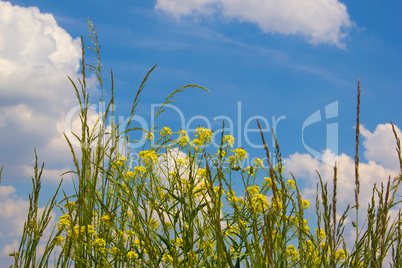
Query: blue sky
point(274, 59)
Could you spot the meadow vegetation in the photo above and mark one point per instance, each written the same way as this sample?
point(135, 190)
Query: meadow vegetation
point(177, 206)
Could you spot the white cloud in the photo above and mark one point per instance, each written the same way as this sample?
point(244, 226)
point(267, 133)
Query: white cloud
point(9, 248)
point(378, 148)
point(320, 21)
point(377, 170)
point(381, 145)
point(13, 214)
point(36, 55)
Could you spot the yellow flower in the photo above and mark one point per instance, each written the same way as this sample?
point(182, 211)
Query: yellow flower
point(64, 221)
point(148, 157)
point(304, 225)
point(229, 140)
point(179, 242)
point(138, 242)
point(118, 163)
point(253, 190)
point(130, 233)
point(258, 162)
point(243, 224)
point(208, 245)
point(250, 170)
point(139, 171)
point(260, 202)
point(320, 233)
point(219, 190)
point(167, 258)
point(340, 254)
point(149, 136)
point(305, 204)
point(69, 205)
point(278, 167)
point(99, 242)
point(181, 162)
point(153, 224)
point(276, 203)
point(291, 184)
point(192, 255)
point(183, 140)
point(203, 136)
point(182, 132)
point(122, 158)
point(115, 251)
point(269, 181)
point(166, 132)
point(105, 218)
point(59, 239)
point(292, 252)
point(102, 250)
point(132, 255)
point(239, 155)
point(201, 173)
point(309, 246)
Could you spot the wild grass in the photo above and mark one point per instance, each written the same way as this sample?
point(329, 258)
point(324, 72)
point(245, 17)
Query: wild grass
point(176, 211)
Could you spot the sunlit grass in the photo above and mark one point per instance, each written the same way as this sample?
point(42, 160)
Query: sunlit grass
point(178, 207)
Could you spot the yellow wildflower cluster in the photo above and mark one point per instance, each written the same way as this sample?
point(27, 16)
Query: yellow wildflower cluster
point(268, 182)
point(64, 222)
point(153, 224)
point(239, 154)
point(253, 190)
point(99, 242)
point(250, 170)
point(132, 255)
point(167, 259)
point(260, 203)
point(291, 184)
point(229, 140)
point(231, 196)
point(120, 162)
point(183, 139)
point(292, 253)
point(203, 137)
point(148, 157)
point(138, 172)
point(166, 132)
point(320, 233)
point(59, 239)
point(258, 163)
point(149, 136)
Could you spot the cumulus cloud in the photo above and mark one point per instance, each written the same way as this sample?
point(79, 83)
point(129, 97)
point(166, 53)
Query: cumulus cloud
point(378, 149)
point(320, 21)
point(381, 145)
point(376, 171)
point(36, 55)
point(13, 214)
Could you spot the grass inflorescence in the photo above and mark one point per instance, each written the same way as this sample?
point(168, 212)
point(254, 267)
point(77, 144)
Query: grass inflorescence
point(178, 207)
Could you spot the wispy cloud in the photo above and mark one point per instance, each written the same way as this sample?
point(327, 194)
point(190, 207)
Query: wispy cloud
point(319, 21)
